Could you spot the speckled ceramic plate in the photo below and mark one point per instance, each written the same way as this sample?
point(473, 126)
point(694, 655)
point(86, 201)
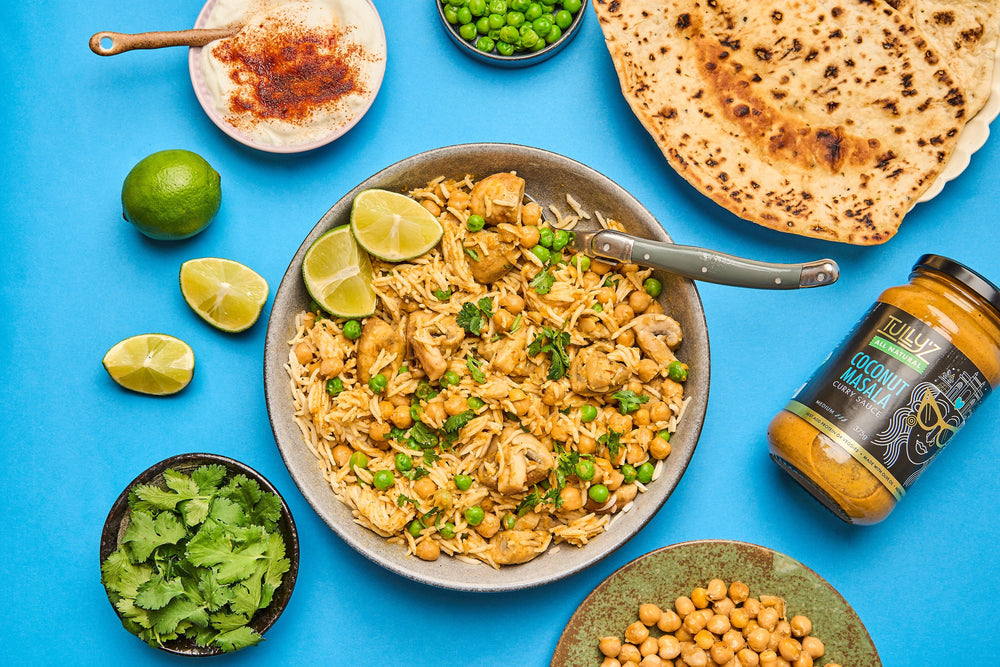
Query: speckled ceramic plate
point(665, 574)
point(549, 178)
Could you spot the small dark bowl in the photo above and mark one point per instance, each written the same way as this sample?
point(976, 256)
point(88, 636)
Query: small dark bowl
point(518, 59)
point(117, 522)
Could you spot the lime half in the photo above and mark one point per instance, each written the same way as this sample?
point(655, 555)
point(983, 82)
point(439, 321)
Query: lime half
point(226, 294)
point(338, 275)
point(154, 364)
point(392, 226)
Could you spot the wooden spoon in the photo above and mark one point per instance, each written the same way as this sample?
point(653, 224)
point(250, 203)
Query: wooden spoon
point(122, 42)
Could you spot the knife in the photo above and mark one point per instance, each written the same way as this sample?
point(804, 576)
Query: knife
point(702, 264)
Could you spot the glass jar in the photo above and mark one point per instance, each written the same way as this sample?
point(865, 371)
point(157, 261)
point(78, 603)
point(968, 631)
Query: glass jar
point(884, 404)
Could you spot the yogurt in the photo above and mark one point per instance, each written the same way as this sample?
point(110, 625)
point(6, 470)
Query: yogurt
point(298, 71)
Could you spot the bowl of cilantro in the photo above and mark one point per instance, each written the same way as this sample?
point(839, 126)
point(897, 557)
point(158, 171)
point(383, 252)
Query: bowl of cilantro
point(199, 555)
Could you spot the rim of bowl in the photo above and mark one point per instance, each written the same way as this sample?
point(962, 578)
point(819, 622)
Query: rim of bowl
point(205, 98)
point(517, 60)
point(119, 512)
point(302, 464)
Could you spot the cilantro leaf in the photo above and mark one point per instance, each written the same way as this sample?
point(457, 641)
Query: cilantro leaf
point(542, 282)
point(236, 639)
point(529, 503)
point(474, 369)
point(208, 477)
point(474, 316)
point(227, 622)
point(628, 401)
point(552, 342)
point(442, 294)
point(120, 575)
point(613, 441)
point(456, 422)
point(158, 592)
point(144, 533)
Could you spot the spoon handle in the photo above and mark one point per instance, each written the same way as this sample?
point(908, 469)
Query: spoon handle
point(121, 42)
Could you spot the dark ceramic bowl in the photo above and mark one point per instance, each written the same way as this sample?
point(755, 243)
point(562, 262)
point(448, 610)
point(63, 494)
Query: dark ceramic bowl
point(661, 576)
point(517, 59)
point(117, 522)
point(549, 178)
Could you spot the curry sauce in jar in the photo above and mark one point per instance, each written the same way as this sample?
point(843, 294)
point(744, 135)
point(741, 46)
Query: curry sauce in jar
point(884, 404)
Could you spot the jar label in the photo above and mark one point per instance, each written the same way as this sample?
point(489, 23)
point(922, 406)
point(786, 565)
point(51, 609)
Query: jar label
point(892, 395)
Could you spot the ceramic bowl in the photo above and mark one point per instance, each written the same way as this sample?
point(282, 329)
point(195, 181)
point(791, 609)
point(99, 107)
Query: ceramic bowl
point(517, 59)
point(117, 522)
point(661, 576)
point(335, 132)
point(549, 178)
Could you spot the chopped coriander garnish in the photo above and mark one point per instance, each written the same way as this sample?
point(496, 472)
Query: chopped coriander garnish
point(443, 294)
point(542, 282)
point(473, 254)
point(628, 401)
point(613, 441)
point(474, 368)
point(552, 342)
point(529, 503)
point(473, 316)
point(456, 422)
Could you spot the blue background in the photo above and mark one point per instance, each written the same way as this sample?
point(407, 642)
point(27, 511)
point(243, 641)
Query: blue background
point(77, 279)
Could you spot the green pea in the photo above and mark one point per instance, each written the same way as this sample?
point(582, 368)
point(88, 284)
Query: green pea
point(378, 383)
point(496, 21)
point(494, 35)
point(508, 34)
point(588, 413)
point(541, 252)
point(463, 482)
point(546, 236)
point(560, 239)
point(515, 19)
point(334, 386)
point(597, 308)
point(519, 5)
point(539, 45)
point(585, 470)
point(415, 527)
point(358, 460)
point(554, 34)
point(677, 371)
point(598, 493)
point(451, 14)
point(529, 38)
point(404, 462)
point(645, 473)
point(475, 222)
point(450, 379)
point(468, 31)
point(653, 287)
point(572, 6)
point(563, 19)
point(498, 6)
point(416, 412)
point(581, 262)
point(533, 11)
point(474, 515)
point(485, 44)
point(505, 48)
point(352, 329)
point(628, 473)
point(664, 434)
point(474, 402)
point(464, 15)
point(477, 7)
point(483, 25)
point(447, 531)
point(509, 521)
point(383, 479)
point(456, 3)
point(424, 390)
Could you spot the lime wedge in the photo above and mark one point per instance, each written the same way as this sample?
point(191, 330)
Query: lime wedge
point(338, 275)
point(392, 226)
point(154, 364)
point(226, 294)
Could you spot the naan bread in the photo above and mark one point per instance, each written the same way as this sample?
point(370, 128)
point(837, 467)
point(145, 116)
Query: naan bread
point(826, 119)
point(966, 33)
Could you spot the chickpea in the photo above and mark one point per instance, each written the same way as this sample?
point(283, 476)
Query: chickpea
point(591, 279)
point(610, 646)
point(649, 614)
point(801, 626)
point(427, 549)
point(586, 324)
point(659, 411)
point(331, 367)
point(734, 640)
point(610, 662)
point(308, 320)
point(718, 624)
point(669, 647)
point(752, 606)
point(758, 639)
point(459, 199)
point(528, 236)
point(342, 454)
point(489, 526)
point(720, 653)
point(769, 658)
point(767, 618)
point(379, 431)
point(503, 320)
point(725, 606)
point(782, 629)
point(699, 597)
point(789, 649)
point(606, 296)
point(684, 606)
point(716, 590)
point(655, 308)
point(648, 647)
point(813, 646)
point(804, 660)
point(738, 591)
point(622, 313)
point(431, 207)
point(553, 394)
point(635, 454)
point(424, 487)
point(704, 639)
point(683, 635)
point(560, 431)
point(750, 627)
point(385, 409)
point(694, 656)
point(586, 445)
point(641, 417)
point(647, 369)
point(651, 660)
point(531, 214)
point(639, 301)
point(630, 653)
point(739, 618)
point(636, 633)
point(572, 498)
point(625, 494)
point(303, 353)
point(513, 302)
point(522, 406)
point(626, 338)
point(659, 448)
point(748, 658)
point(455, 404)
point(669, 620)
point(694, 623)
point(600, 267)
point(434, 412)
point(619, 422)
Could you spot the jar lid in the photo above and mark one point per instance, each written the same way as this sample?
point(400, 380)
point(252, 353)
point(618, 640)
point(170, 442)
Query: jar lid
point(963, 274)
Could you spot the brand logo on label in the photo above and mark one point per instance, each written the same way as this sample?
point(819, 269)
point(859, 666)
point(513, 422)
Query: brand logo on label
point(908, 338)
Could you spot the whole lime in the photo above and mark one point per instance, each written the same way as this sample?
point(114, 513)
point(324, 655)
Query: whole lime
point(172, 194)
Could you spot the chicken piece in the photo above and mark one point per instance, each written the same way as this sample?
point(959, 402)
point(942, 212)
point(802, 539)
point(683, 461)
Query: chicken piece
point(433, 340)
point(498, 198)
point(658, 336)
point(489, 258)
point(509, 353)
point(592, 373)
point(376, 336)
point(515, 461)
point(509, 547)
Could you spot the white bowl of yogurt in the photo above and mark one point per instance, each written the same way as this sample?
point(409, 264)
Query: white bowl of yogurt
point(298, 75)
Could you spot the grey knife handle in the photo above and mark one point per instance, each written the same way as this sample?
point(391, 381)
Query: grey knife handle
point(711, 266)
